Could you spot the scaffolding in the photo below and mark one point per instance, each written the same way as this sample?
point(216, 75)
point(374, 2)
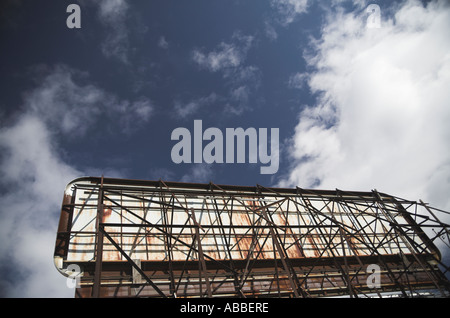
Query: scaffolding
point(133, 238)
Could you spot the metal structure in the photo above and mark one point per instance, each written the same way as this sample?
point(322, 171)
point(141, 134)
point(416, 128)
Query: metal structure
point(165, 239)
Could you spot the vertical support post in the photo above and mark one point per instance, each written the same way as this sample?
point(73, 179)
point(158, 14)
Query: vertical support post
point(137, 277)
point(202, 263)
point(284, 259)
point(407, 240)
point(237, 285)
point(347, 275)
point(99, 245)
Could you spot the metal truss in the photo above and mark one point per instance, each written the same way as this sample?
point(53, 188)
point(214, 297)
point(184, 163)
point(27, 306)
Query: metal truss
point(165, 239)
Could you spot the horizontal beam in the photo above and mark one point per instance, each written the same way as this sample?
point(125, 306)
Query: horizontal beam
point(240, 264)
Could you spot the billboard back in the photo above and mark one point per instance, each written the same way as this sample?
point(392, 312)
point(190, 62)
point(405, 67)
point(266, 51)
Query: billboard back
point(131, 238)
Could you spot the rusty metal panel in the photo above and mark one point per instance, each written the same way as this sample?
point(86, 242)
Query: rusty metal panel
point(167, 239)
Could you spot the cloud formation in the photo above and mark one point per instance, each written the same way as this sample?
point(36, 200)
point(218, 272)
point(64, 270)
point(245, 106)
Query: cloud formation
point(226, 55)
point(113, 16)
point(33, 179)
point(289, 10)
point(183, 110)
point(162, 43)
point(34, 173)
point(201, 173)
point(298, 80)
point(241, 79)
point(66, 101)
point(381, 117)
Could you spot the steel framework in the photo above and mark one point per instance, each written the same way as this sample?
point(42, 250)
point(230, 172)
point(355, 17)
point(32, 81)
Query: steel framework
point(165, 239)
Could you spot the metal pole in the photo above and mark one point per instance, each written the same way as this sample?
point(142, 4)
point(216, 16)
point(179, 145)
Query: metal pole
point(99, 247)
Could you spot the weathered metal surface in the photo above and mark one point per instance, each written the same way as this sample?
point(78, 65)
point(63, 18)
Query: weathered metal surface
point(209, 240)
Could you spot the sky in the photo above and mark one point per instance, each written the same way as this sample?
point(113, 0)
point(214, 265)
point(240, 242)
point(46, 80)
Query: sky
point(358, 95)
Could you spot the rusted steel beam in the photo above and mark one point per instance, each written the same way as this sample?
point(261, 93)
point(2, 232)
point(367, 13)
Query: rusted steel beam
point(237, 286)
point(99, 245)
point(164, 232)
point(408, 241)
point(167, 239)
point(212, 240)
point(131, 262)
point(293, 280)
point(201, 259)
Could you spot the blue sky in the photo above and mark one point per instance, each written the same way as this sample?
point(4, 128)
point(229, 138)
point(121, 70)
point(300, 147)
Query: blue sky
point(357, 108)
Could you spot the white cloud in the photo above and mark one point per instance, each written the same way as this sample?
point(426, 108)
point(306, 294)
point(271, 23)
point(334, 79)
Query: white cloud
point(132, 114)
point(245, 75)
point(112, 11)
point(238, 101)
point(35, 178)
point(200, 173)
point(162, 43)
point(34, 173)
point(113, 15)
point(71, 106)
point(298, 80)
point(164, 174)
point(60, 102)
point(381, 120)
point(240, 94)
point(241, 80)
point(183, 110)
point(289, 9)
point(270, 31)
point(226, 55)
point(242, 83)
point(142, 108)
